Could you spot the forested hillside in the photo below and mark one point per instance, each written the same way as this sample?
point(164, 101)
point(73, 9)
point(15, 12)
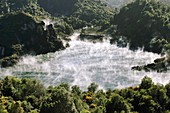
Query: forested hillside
point(144, 24)
point(34, 27)
point(79, 13)
point(65, 15)
point(28, 6)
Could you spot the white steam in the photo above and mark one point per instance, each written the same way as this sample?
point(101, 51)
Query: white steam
point(83, 62)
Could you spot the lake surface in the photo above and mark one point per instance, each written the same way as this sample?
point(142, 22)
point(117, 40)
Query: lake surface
point(83, 63)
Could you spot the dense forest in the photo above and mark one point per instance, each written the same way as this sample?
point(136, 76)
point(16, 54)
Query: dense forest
point(30, 96)
point(81, 13)
point(24, 30)
point(144, 23)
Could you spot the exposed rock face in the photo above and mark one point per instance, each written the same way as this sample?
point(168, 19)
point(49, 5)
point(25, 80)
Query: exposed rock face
point(21, 34)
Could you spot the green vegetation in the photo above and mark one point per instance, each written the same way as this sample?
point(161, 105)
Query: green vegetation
point(58, 7)
point(79, 13)
point(27, 6)
point(23, 25)
point(144, 23)
point(22, 34)
point(30, 96)
point(93, 12)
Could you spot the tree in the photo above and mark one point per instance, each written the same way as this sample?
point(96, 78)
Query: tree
point(116, 103)
point(146, 83)
point(16, 107)
point(158, 93)
point(148, 105)
point(93, 87)
point(59, 101)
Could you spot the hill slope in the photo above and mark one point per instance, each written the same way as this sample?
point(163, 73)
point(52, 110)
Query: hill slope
point(144, 24)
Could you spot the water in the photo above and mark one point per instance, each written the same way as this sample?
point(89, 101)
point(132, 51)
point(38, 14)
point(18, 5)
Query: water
point(83, 63)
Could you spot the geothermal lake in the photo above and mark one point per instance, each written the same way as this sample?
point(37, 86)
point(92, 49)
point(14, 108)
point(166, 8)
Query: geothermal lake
point(83, 63)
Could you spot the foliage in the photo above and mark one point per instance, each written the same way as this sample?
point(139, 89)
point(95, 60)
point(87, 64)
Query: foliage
point(92, 87)
point(30, 96)
point(116, 103)
point(94, 12)
point(157, 45)
point(142, 21)
point(146, 83)
point(58, 7)
point(60, 101)
point(27, 6)
point(20, 36)
point(79, 13)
